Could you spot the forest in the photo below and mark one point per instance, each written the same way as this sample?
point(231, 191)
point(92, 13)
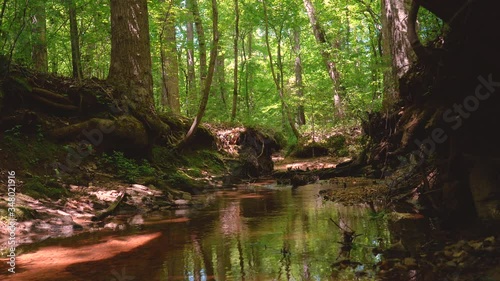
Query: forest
point(194, 140)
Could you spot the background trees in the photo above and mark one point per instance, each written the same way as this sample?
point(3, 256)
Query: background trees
point(356, 40)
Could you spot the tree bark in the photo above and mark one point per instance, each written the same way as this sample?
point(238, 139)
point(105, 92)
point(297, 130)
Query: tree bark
point(169, 63)
point(210, 75)
point(192, 96)
point(299, 87)
point(277, 79)
point(235, 70)
point(320, 36)
point(221, 74)
point(249, 73)
point(75, 42)
point(130, 68)
point(39, 31)
point(396, 47)
point(202, 49)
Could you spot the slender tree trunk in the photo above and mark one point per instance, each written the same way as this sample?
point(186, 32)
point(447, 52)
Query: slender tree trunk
point(396, 47)
point(2, 12)
point(299, 87)
point(202, 49)
point(235, 51)
point(192, 95)
point(75, 41)
point(320, 36)
point(277, 79)
point(249, 73)
point(210, 75)
point(169, 63)
point(39, 31)
point(221, 74)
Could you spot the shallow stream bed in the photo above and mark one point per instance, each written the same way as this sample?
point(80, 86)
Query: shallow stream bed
point(253, 232)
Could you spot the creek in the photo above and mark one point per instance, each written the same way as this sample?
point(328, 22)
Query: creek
point(253, 232)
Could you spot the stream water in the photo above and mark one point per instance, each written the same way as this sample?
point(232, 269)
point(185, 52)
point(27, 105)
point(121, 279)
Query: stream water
point(259, 232)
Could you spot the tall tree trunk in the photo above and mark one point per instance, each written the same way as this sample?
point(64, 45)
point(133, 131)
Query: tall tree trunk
point(169, 63)
point(396, 47)
point(235, 51)
point(299, 87)
point(210, 75)
point(130, 67)
point(221, 74)
point(277, 78)
point(249, 72)
point(325, 46)
point(39, 31)
point(75, 41)
point(202, 49)
point(192, 95)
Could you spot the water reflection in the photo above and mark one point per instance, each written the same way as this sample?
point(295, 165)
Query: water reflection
point(271, 233)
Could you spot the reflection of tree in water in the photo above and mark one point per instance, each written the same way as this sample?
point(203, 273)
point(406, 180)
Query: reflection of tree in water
point(231, 220)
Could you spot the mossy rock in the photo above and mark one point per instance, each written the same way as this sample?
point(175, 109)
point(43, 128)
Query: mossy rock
point(310, 150)
point(35, 188)
point(337, 145)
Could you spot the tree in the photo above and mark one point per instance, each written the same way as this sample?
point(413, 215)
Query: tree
point(39, 31)
point(191, 76)
point(202, 49)
point(326, 53)
point(396, 47)
point(130, 68)
point(75, 41)
point(169, 62)
point(299, 87)
point(220, 69)
point(208, 81)
point(278, 79)
point(235, 51)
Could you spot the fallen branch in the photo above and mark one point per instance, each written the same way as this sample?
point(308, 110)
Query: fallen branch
point(110, 210)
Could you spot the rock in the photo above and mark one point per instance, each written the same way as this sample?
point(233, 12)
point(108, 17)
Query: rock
point(77, 227)
point(448, 253)
point(489, 241)
point(139, 186)
point(476, 245)
point(410, 262)
point(137, 219)
point(451, 264)
point(181, 202)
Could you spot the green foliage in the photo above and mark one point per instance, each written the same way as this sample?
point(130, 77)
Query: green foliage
point(29, 149)
point(353, 30)
point(125, 168)
point(430, 26)
point(37, 187)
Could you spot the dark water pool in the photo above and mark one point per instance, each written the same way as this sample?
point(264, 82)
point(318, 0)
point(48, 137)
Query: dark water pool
point(250, 233)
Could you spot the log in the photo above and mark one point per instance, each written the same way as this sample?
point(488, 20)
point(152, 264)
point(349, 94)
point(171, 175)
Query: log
point(110, 210)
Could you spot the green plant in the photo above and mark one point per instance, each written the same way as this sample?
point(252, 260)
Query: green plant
point(125, 168)
point(14, 131)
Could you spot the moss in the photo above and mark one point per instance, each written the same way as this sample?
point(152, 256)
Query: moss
point(166, 158)
point(125, 168)
point(310, 150)
point(181, 180)
point(30, 151)
point(205, 160)
point(37, 188)
point(23, 213)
